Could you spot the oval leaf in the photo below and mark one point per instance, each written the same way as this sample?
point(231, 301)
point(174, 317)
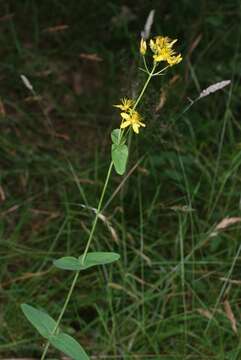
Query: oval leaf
point(99, 258)
point(92, 259)
point(40, 320)
point(68, 263)
point(68, 346)
point(115, 136)
point(119, 155)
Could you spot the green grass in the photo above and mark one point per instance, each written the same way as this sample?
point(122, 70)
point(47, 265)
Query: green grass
point(157, 300)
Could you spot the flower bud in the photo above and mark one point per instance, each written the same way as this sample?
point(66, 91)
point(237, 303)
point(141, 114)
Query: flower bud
point(143, 47)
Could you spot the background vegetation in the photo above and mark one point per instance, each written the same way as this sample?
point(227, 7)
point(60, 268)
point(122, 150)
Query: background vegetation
point(175, 294)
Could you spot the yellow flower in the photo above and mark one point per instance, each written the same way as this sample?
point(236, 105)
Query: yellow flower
point(126, 104)
point(162, 49)
point(143, 47)
point(133, 119)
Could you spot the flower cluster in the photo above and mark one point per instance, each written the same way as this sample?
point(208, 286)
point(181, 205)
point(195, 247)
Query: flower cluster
point(161, 47)
point(130, 117)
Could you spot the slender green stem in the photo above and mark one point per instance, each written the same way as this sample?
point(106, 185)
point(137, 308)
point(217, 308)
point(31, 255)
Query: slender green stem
point(161, 71)
point(61, 313)
point(83, 257)
point(145, 64)
point(144, 87)
point(97, 212)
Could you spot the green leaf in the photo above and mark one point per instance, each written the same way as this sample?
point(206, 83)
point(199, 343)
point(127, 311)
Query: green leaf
point(68, 346)
point(115, 136)
point(99, 258)
point(39, 319)
point(68, 263)
point(92, 259)
point(119, 156)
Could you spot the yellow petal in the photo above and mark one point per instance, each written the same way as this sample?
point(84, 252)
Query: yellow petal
point(125, 124)
point(158, 58)
point(136, 128)
point(173, 42)
point(125, 116)
point(152, 45)
point(174, 60)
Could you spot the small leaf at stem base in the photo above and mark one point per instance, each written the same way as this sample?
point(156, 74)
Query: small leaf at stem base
point(44, 323)
point(69, 346)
